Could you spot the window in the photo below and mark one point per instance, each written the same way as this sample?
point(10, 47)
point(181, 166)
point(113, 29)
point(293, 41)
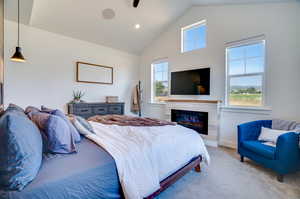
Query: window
point(160, 81)
point(245, 74)
point(193, 37)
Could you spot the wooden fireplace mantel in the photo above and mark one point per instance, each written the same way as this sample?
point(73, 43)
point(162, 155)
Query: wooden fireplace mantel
point(194, 101)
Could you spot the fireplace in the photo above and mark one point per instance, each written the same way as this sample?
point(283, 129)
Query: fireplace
point(195, 120)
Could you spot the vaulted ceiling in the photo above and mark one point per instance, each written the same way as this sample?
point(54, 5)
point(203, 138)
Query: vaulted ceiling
point(83, 19)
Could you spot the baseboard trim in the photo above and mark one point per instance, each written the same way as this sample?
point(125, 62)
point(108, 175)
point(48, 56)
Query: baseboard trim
point(228, 144)
point(211, 143)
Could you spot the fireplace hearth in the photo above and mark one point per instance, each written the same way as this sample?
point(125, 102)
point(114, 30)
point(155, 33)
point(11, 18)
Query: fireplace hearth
point(195, 120)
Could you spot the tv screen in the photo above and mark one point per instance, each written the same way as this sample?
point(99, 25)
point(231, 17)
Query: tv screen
point(191, 82)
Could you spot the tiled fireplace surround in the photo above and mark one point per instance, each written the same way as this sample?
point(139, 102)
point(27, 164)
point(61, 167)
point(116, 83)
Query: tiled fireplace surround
point(210, 106)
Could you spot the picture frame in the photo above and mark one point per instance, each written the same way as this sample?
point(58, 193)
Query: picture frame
point(94, 73)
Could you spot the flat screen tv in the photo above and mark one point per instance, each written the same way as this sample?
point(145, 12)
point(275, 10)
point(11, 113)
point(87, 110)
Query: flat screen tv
point(191, 82)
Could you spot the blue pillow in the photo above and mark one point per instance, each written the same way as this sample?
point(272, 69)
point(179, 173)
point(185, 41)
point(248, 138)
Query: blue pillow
point(20, 151)
point(73, 130)
point(59, 137)
point(15, 108)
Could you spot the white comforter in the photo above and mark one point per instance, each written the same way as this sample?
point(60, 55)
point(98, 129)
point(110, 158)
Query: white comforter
point(146, 155)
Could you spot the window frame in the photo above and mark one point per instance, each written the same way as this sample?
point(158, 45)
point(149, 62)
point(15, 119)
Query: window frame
point(194, 25)
point(263, 74)
point(158, 61)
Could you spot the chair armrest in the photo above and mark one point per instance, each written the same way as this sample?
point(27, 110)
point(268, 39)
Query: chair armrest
point(287, 148)
point(251, 130)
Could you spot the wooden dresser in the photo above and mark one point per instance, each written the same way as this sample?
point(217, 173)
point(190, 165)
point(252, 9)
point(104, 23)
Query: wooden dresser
point(87, 110)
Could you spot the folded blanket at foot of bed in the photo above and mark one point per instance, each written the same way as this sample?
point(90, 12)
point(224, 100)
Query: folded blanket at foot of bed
point(123, 120)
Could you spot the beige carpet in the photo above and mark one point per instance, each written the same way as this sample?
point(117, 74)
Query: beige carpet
point(227, 178)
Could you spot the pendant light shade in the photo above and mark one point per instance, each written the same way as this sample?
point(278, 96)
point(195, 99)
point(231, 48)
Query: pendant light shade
point(18, 57)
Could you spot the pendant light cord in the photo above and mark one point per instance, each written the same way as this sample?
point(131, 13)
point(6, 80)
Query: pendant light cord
point(18, 23)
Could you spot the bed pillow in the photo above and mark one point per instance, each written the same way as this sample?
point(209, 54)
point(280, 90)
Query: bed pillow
point(30, 109)
point(40, 119)
point(14, 107)
point(270, 135)
point(81, 127)
point(59, 137)
point(84, 123)
point(2, 110)
point(20, 151)
point(47, 110)
point(74, 132)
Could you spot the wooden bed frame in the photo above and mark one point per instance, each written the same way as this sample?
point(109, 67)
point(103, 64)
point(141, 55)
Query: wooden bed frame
point(194, 163)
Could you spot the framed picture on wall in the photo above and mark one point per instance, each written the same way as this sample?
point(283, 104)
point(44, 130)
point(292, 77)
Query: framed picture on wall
point(93, 73)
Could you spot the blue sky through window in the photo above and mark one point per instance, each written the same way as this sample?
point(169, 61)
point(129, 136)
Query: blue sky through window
point(243, 60)
point(194, 38)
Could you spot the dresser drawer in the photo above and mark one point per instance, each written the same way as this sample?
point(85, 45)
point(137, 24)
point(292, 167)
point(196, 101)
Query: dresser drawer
point(115, 109)
point(82, 111)
point(100, 110)
point(87, 110)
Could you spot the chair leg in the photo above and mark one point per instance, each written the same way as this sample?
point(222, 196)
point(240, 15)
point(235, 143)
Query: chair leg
point(280, 177)
point(242, 158)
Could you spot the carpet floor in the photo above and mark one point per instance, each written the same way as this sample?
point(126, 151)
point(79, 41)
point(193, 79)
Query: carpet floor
point(227, 178)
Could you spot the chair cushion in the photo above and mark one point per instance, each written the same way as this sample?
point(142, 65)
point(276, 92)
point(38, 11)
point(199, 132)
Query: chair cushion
point(20, 150)
point(260, 149)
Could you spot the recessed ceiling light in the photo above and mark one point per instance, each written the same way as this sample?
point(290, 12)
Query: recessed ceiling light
point(137, 26)
point(108, 13)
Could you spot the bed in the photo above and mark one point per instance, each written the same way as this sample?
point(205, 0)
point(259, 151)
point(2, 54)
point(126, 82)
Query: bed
point(94, 171)
point(91, 173)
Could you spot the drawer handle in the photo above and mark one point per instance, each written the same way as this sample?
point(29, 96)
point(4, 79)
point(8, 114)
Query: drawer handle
point(83, 111)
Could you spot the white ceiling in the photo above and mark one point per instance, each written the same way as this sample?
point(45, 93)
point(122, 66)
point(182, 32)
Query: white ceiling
point(82, 19)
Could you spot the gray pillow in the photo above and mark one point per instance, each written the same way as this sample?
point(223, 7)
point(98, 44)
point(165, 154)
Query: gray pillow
point(84, 123)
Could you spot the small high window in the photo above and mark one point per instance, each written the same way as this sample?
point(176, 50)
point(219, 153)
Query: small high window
point(245, 74)
point(193, 37)
point(160, 81)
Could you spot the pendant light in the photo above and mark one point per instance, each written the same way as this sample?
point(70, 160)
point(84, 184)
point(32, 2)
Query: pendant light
point(18, 57)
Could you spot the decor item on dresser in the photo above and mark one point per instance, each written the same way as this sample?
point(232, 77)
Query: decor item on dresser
point(77, 95)
point(93, 73)
point(18, 57)
point(87, 110)
point(112, 99)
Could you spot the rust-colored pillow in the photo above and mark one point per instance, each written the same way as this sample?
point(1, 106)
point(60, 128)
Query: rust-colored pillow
point(39, 118)
point(31, 109)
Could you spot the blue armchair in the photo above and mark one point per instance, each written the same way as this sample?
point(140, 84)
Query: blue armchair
point(283, 159)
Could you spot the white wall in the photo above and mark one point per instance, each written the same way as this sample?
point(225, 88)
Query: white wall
point(48, 76)
point(278, 21)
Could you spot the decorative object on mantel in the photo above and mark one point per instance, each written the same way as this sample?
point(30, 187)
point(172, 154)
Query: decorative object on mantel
point(77, 95)
point(136, 100)
point(112, 99)
point(93, 73)
point(18, 57)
